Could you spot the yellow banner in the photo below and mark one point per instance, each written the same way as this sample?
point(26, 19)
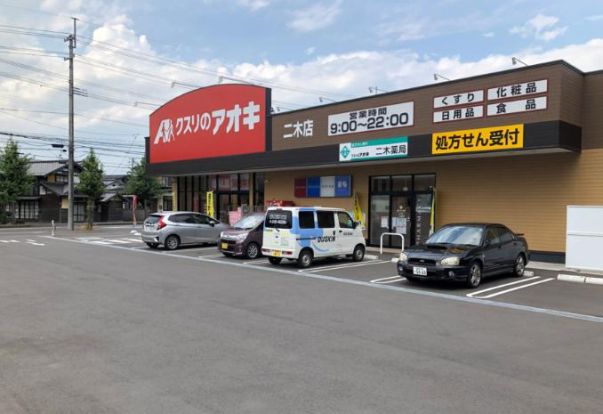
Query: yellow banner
point(357, 209)
point(477, 140)
point(209, 204)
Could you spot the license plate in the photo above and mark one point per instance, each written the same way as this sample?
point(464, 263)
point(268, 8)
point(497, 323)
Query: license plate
point(421, 271)
point(276, 253)
point(225, 246)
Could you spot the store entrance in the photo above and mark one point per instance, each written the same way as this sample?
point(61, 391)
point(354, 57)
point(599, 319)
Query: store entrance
point(401, 204)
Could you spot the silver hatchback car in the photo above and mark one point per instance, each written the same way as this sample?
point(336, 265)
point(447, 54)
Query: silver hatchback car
point(172, 229)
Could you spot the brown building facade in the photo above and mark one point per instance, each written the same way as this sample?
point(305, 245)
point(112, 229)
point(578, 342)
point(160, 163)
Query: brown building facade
point(515, 147)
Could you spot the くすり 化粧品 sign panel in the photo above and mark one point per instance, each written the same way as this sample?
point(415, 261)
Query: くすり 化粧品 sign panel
point(478, 140)
point(210, 122)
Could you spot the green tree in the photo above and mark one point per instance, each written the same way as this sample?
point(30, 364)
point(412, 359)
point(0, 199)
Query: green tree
point(91, 184)
point(15, 180)
point(141, 184)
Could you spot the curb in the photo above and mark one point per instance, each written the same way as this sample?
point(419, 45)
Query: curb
point(580, 279)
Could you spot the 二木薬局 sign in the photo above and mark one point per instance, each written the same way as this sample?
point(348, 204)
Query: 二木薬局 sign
point(374, 149)
point(478, 140)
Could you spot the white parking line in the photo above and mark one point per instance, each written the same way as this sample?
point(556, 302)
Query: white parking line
point(515, 288)
point(472, 294)
point(256, 262)
point(391, 279)
point(343, 266)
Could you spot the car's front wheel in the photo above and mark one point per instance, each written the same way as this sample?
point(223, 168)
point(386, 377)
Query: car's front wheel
point(475, 275)
point(358, 254)
point(520, 266)
point(305, 259)
point(171, 242)
point(252, 251)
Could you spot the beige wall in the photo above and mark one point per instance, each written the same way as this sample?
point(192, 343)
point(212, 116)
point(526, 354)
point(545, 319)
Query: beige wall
point(528, 193)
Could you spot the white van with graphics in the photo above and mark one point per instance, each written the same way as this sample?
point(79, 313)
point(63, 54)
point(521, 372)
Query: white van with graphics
point(306, 233)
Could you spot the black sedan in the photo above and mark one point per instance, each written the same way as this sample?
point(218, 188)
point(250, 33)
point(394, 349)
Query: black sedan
point(466, 252)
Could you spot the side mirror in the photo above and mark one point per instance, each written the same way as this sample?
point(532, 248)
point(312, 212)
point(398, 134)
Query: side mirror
point(357, 224)
point(211, 223)
point(486, 243)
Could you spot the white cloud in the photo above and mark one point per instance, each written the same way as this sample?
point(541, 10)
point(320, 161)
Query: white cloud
point(595, 18)
point(541, 27)
point(310, 50)
point(254, 5)
point(489, 34)
point(315, 17)
point(337, 76)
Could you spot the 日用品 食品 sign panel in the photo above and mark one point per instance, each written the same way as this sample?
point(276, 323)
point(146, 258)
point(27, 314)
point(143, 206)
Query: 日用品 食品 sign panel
point(372, 119)
point(478, 140)
point(376, 149)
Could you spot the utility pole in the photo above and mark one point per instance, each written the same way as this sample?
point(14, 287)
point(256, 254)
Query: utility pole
point(72, 45)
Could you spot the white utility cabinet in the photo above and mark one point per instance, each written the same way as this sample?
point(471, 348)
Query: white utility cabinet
point(584, 238)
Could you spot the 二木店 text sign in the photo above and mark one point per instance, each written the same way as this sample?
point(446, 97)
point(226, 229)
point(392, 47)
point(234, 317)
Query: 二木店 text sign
point(216, 121)
point(478, 140)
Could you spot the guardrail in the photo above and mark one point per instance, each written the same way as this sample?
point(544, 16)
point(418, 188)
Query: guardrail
point(390, 234)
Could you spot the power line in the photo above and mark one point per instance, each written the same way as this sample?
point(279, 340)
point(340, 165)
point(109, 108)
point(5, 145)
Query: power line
point(87, 116)
point(145, 56)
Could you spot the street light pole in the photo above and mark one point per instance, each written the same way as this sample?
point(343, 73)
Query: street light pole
point(72, 45)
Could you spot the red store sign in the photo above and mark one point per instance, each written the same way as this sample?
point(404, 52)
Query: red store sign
point(215, 121)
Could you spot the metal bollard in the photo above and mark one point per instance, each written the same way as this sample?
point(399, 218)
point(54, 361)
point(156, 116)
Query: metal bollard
point(53, 228)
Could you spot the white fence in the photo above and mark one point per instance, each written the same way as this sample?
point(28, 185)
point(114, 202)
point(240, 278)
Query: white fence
point(584, 238)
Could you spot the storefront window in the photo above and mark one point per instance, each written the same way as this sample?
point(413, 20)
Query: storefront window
point(189, 193)
point(244, 182)
point(212, 183)
point(224, 182)
point(258, 195)
point(380, 184)
point(401, 183)
point(234, 182)
point(196, 193)
point(424, 182)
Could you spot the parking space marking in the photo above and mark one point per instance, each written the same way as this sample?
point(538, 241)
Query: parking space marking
point(516, 288)
point(34, 243)
point(391, 279)
point(472, 294)
point(9, 241)
point(353, 282)
point(256, 262)
point(342, 266)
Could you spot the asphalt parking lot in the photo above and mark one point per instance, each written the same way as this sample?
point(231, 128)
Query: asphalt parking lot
point(98, 322)
point(539, 288)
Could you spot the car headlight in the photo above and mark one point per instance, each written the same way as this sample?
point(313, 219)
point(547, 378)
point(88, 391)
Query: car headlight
point(451, 261)
point(221, 234)
point(241, 236)
point(403, 257)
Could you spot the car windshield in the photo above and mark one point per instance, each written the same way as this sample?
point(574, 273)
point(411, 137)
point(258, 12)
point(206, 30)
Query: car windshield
point(468, 235)
point(249, 222)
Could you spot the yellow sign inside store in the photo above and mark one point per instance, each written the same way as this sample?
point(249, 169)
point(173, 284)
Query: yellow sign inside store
point(477, 140)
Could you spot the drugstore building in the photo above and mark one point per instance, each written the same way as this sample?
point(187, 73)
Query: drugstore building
point(514, 147)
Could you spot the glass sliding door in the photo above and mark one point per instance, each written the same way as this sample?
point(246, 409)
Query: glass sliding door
point(401, 220)
point(379, 219)
point(401, 204)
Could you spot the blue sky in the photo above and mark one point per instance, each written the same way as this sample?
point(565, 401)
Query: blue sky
point(285, 31)
point(140, 54)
